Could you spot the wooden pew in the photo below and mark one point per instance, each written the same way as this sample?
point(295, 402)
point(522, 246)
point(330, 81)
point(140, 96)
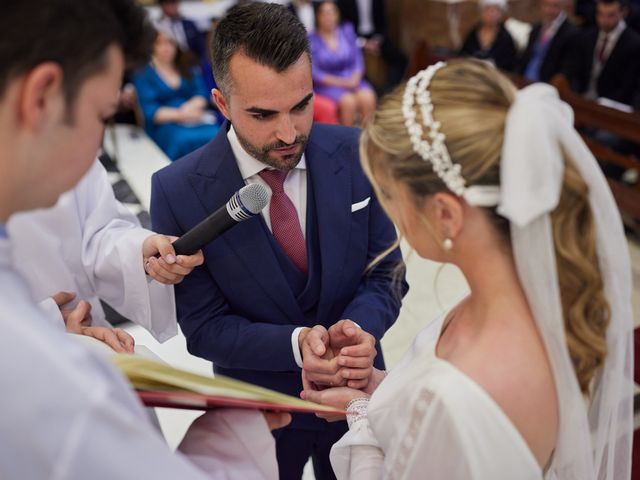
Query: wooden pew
point(589, 114)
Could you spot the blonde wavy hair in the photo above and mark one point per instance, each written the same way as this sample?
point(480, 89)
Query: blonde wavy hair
point(471, 100)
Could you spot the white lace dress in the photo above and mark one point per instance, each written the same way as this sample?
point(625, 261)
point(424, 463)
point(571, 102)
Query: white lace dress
point(428, 420)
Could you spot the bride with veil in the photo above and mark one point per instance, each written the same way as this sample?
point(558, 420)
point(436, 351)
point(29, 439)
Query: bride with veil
point(530, 376)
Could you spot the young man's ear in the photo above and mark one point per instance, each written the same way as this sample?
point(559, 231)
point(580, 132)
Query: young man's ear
point(221, 102)
point(41, 96)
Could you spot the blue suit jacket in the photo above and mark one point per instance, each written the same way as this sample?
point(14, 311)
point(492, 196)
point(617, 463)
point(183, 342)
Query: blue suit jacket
point(195, 39)
point(238, 310)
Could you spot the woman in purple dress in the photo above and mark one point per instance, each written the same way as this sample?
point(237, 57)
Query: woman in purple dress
point(338, 66)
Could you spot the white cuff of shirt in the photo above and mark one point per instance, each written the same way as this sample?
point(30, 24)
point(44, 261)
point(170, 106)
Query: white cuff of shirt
point(295, 346)
point(297, 355)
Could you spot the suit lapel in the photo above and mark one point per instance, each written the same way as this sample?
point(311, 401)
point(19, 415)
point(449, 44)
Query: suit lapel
point(215, 181)
point(616, 52)
point(590, 52)
point(330, 177)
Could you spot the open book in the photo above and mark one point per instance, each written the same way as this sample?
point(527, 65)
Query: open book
point(161, 385)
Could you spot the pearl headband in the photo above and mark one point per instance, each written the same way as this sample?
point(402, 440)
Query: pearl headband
point(436, 153)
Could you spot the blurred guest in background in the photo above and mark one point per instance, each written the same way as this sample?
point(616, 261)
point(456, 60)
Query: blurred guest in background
point(174, 100)
point(304, 10)
point(546, 50)
point(185, 32)
point(489, 39)
point(338, 66)
point(370, 21)
point(604, 60)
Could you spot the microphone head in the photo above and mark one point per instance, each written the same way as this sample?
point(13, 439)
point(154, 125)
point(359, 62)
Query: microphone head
point(248, 201)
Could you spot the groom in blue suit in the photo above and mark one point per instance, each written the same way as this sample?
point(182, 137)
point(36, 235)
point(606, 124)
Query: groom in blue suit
point(303, 262)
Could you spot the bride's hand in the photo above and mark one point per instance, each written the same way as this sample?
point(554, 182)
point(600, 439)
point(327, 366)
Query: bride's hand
point(337, 397)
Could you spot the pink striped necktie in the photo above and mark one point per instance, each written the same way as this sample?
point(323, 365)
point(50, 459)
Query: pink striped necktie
point(285, 224)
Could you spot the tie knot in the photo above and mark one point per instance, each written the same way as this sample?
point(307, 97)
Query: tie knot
point(275, 179)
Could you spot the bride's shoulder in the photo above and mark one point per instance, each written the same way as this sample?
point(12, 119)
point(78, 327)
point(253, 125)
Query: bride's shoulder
point(509, 362)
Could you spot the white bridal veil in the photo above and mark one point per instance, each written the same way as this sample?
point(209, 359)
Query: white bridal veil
point(539, 129)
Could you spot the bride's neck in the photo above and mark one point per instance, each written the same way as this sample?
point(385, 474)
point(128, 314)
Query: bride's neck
point(492, 276)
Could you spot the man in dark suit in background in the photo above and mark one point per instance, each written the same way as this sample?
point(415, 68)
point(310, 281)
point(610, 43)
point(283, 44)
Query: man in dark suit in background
point(303, 262)
point(304, 10)
point(546, 50)
point(188, 37)
point(605, 60)
point(370, 22)
point(185, 32)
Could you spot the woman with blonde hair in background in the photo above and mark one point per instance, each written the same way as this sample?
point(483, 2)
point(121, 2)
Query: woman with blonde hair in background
point(530, 376)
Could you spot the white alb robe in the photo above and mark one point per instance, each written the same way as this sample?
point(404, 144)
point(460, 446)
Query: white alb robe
point(67, 414)
point(90, 244)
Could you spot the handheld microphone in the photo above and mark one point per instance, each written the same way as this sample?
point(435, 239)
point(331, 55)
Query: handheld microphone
point(244, 204)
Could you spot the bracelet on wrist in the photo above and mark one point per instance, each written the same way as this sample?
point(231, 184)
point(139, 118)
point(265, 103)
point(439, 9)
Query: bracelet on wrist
point(357, 410)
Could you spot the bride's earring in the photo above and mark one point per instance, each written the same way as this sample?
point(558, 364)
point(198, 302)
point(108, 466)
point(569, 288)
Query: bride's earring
point(447, 244)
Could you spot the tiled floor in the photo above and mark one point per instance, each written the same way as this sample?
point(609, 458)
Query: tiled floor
point(434, 288)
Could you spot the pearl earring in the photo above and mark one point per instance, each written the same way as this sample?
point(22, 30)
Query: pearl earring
point(447, 244)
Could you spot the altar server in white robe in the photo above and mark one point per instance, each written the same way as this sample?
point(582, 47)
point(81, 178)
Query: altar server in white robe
point(89, 244)
point(67, 414)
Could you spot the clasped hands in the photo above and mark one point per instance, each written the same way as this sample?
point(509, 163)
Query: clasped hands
point(340, 356)
point(337, 364)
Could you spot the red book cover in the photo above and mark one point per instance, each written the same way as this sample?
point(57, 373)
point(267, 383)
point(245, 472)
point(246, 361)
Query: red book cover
point(199, 401)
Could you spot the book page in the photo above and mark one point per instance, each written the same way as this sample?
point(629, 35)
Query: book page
point(146, 374)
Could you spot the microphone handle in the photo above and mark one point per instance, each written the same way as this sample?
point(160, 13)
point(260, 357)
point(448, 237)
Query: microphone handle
point(206, 231)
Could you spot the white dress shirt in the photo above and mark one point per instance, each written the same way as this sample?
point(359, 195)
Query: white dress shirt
point(365, 17)
point(295, 186)
point(67, 414)
point(555, 25)
point(306, 15)
point(597, 66)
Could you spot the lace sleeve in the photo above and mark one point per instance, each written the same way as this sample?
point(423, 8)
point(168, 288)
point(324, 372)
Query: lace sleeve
point(404, 459)
point(457, 433)
point(357, 455)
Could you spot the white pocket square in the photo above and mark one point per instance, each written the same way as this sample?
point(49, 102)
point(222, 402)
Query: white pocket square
point(360, 205)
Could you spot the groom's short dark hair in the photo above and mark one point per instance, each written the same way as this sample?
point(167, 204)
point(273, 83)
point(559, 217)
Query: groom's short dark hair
point(267, 33)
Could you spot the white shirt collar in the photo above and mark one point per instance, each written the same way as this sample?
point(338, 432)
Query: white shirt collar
point(613, 34)
point(248, 165)
point(555, 25)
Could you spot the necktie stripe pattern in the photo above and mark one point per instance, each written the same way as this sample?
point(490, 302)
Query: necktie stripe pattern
point(285, 223)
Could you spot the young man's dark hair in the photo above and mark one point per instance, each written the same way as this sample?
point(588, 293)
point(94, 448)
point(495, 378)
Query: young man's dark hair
point(267, 33)
point(623, 3)
point(74, 34)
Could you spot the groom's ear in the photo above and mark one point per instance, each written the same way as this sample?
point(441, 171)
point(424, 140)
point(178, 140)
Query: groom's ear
point(221, 102)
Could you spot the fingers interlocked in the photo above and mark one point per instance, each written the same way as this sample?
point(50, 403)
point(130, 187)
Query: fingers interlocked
point(340, 356)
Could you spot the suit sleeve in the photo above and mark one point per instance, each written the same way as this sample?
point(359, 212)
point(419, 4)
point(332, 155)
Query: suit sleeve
point(573, 67)
point(213, 332)
point(376, 305)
